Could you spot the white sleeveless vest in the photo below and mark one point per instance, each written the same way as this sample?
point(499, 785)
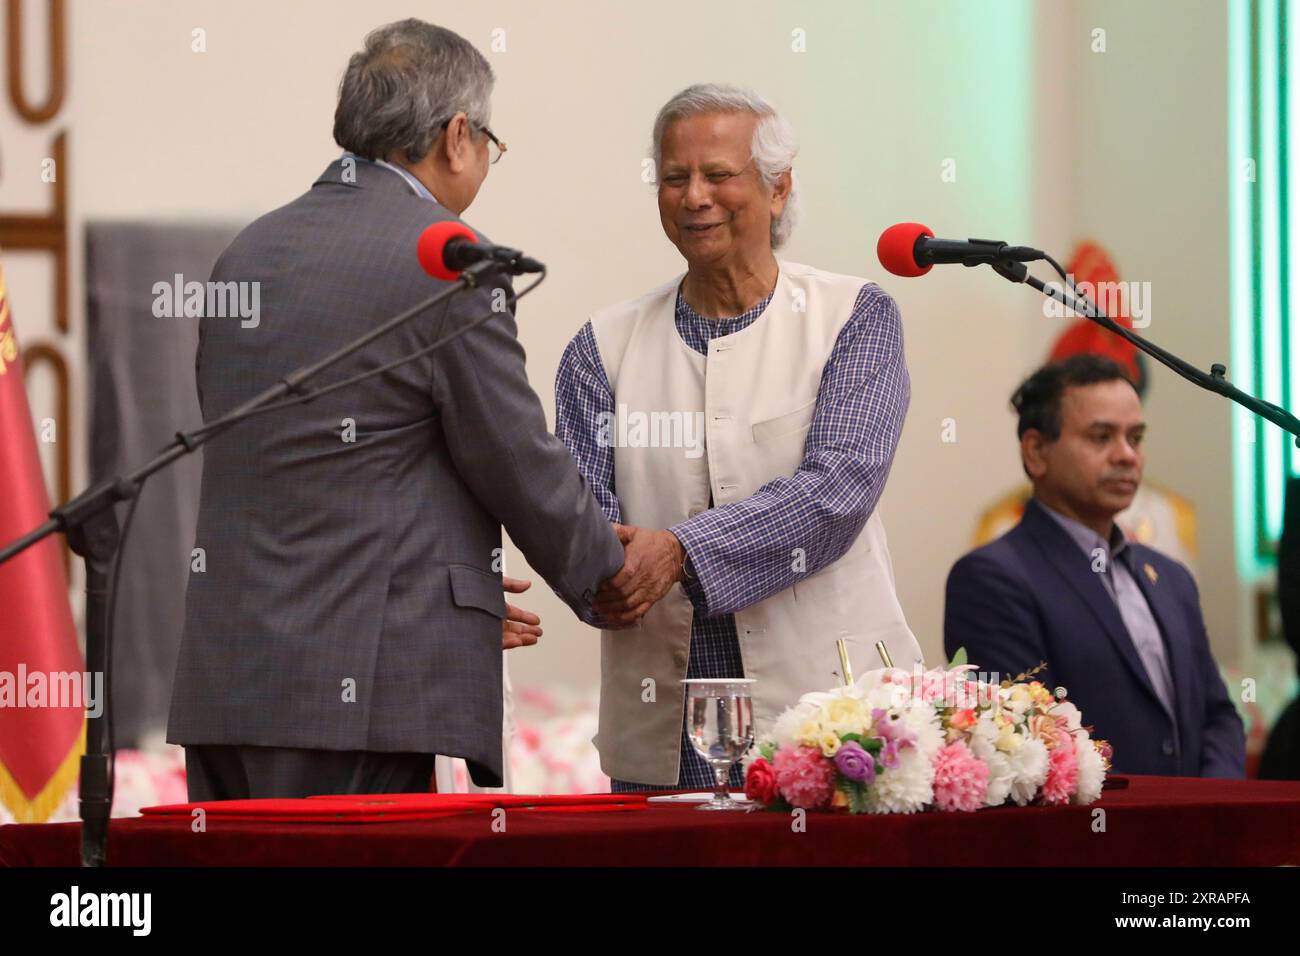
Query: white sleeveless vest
point(756, 391)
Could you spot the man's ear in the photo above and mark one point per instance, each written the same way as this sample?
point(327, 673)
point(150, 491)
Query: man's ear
point(455, 141)
point(1032, 453)
point(781, 192)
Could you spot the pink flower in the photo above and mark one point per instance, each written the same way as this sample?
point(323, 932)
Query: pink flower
point(961, 780)
point(891, 729)
point(889, 755)
point(1049, 730)
point(1062, 774)
point(805, 777)
point(760, 781)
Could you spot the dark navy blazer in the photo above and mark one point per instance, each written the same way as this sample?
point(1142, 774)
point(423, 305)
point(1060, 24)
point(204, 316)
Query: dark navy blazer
point(1032, 596)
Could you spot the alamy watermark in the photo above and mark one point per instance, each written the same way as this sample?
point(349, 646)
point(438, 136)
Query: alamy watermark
point(215, 300)
point(638, 429)
point(1111, 298)
point(55, 689)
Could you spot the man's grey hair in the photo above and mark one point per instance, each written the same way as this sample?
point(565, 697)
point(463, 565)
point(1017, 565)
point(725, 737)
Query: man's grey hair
point(410, 78)
point(773, 148)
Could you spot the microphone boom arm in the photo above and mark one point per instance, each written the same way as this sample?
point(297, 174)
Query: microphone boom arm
point(1213, 381)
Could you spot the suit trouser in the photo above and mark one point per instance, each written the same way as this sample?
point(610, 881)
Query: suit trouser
point(240, 772)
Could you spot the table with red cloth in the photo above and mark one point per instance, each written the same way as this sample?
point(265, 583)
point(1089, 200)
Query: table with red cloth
point(1153, 821)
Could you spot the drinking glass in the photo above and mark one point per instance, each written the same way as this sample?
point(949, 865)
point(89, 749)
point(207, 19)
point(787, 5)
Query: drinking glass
point(720, 722)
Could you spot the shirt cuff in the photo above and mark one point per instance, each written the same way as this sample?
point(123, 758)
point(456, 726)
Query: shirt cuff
point(693, 585)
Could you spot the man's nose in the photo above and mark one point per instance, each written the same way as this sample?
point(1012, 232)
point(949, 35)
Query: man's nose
point(698, 193)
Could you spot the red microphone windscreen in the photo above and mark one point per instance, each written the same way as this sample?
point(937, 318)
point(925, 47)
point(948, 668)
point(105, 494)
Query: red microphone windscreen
point(895, 249)
point(432, 242)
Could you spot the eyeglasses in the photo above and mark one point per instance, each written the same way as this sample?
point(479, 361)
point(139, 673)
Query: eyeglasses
point(496, 148)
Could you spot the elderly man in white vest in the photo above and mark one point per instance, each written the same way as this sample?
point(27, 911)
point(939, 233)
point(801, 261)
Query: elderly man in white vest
point(737, 424)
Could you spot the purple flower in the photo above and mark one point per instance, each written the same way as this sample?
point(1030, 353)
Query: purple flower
point(855, 763)
point(890, 729)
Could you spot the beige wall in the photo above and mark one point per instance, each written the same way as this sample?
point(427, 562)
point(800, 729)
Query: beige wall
point(1150, 119)
point(1050, 142)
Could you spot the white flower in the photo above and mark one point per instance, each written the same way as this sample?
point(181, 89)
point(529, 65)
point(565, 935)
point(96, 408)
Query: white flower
point(985, 730)
point(1073, 719)
point(984, 745)
point(810, 733)
point(853, 691)
point(816, 700)
point(1029, 764)
point(787, 726)
point(846, 715)
point(1092, 769)
point(876, 692)
point(923, 720)
point(870, 680)
point(1017, 699)
point(1001, 778)
point(1009, 737)
point(890, 697)
point(907, 788)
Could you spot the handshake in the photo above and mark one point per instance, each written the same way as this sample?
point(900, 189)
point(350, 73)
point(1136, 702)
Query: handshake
point(653, 561)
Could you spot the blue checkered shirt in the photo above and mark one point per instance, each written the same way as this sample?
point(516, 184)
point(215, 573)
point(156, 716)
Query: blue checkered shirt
point(740, 552)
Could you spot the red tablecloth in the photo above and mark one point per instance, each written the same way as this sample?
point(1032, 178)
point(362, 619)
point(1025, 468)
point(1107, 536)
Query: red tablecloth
point(1156, 821)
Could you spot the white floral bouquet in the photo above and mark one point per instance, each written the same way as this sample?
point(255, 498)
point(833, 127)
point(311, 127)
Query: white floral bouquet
point(900, 742)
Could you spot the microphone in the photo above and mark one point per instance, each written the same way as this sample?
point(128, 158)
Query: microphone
point(909, 249)
point(446, 249)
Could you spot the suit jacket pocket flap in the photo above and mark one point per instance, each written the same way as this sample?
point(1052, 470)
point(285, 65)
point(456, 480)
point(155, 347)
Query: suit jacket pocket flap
point(471, 587)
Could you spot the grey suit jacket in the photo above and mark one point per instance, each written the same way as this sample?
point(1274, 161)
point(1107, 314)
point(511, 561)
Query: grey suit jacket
point(348, 598)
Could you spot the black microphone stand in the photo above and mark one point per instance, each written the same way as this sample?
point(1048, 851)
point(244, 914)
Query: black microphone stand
point(1214, 381)
point(89, 523)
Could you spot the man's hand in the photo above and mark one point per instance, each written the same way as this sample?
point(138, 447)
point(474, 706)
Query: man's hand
point(652, 564)
point(520, 628)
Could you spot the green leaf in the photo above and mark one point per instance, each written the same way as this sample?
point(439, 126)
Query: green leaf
point(871, 745)
point(855, 792)
point(958, 659)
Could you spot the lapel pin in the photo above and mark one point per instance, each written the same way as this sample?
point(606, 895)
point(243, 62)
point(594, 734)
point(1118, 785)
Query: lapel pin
point(1151, 573)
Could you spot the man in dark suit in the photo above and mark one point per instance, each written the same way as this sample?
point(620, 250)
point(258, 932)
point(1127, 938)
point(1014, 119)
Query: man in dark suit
point(1118, 623)
point(346, 624)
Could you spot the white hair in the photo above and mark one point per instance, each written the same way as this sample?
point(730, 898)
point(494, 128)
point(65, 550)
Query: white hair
point(773, 148)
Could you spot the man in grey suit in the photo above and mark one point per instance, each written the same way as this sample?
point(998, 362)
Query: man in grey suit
point(344, 619)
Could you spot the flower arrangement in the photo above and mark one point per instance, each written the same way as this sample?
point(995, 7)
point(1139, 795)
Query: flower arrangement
point(900, 742)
